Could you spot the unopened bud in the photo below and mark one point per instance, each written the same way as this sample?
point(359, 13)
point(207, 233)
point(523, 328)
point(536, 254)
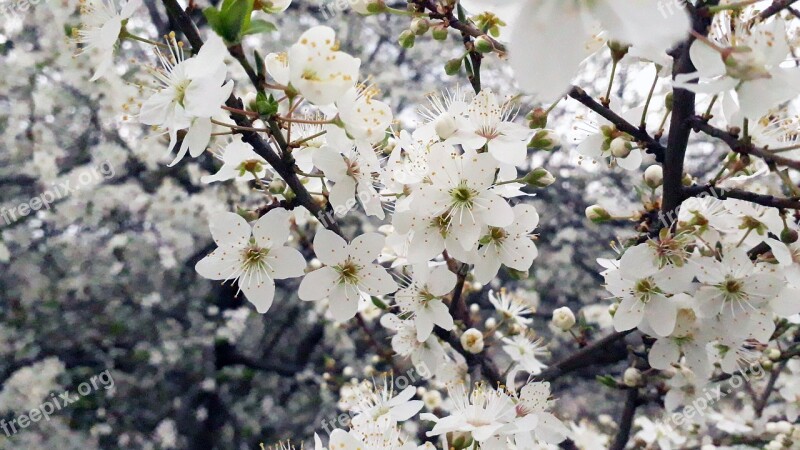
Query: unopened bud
point(375, 6)
point(620, 147)
point(774, 354)
point(597, 214)
point(453, 66)
point(545, 140)
point(439, 32)
point(537, 118)
point(432, 399)
point(654, 176)
point(407, 39)
point(539, 178)
point(250, 101)
point(483, 45)
point(618, 50)
point(420, 26)
point(668, 101)
point(563, 318)
point(687, 180)
point(277, 186)
point(472, 341)
point(632, 377)
point(789, 236)
point(445, 126)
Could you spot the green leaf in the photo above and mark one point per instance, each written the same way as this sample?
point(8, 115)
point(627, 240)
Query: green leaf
point(377, 302)
point(212, 16)
point(266, 106)
point(260, 67)
point(259, 26)
point(232, 18)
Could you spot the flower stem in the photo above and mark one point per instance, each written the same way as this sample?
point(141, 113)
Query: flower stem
point(643, 122)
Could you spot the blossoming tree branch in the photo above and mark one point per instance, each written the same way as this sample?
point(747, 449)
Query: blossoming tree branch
point(706, 285)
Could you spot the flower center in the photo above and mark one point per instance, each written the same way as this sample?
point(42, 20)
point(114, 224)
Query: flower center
point(645, 288)
point(353, 168)
point(463, 196)
point(310, 75)
point(348, 272)
point(254, 257)
point(180, 91)
point(496, 235)
point(732, 287)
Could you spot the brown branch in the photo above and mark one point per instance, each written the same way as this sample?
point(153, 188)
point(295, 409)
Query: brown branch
point(776, 7)
point(743, 148)
point(626, 421)
point(584, 357)
point(652, 145)
point(723, 194)
point(680, 129)
point(284, 163)
point(445, 14)
point(773, 378)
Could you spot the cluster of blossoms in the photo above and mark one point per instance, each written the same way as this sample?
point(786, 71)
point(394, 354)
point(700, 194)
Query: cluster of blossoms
point(699, 293)
point(482, 416)
point(455, 189)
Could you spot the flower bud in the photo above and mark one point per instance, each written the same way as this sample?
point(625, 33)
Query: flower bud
point(668, 101)
point(537, 118)
point(432, 399)
point(774, 354)
point(545, 140)
point(249, 101)
point(452, 66)
point(445, 126)
point(687, 180)
point(654, 176)
point(407, 39)
point(632, 377)
point(563, 318)
point(618, 50)
point(612, 309)
point(439, 32)
point(375, 6)
point(420, 26)
point(483, 45)
point(472, 341)
point(597, 214)
point(620, 147)
point(277, 186)
point(789, 236)
point(539, 178)
point(460, 441)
